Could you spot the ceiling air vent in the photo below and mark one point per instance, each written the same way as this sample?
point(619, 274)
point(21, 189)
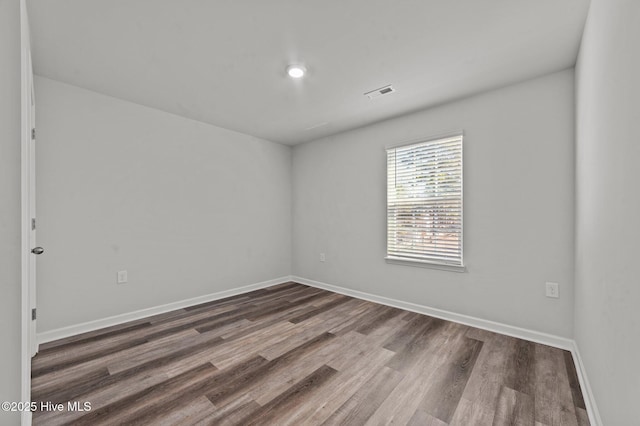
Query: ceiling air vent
point(380, 92)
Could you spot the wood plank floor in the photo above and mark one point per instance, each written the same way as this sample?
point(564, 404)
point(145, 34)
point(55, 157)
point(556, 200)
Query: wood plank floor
point(296, 355)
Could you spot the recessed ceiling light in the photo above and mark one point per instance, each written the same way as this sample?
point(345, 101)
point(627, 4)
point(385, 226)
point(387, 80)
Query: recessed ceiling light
point(296, 71)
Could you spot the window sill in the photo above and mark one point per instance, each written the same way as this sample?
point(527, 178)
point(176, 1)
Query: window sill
point(424, 264)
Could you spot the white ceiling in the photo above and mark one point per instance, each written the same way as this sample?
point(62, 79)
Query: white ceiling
point(223, 61)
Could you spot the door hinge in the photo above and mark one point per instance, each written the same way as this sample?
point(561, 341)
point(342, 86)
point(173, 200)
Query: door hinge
point(33, 133)
point(33, 314)
point(33, 224)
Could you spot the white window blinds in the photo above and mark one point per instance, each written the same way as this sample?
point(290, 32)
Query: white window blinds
point(424, 202)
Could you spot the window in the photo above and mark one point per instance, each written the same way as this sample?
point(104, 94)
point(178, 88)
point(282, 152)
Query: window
point(424, 202)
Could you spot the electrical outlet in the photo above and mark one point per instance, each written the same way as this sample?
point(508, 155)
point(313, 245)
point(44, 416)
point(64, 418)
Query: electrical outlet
point(322, 257)
point(552, 290)
point(122, 277)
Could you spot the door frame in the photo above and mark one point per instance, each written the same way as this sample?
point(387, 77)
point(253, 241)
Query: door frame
point(29, 340)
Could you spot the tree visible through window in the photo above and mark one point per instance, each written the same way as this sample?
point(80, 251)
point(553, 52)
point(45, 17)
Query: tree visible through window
point(424, 201)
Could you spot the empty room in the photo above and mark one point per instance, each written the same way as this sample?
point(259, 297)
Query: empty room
point(319, 213)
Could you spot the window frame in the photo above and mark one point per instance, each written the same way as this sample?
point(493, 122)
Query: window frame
point(425, 263)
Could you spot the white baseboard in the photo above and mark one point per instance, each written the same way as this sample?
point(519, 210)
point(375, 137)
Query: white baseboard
point(587, 393)
point(509, 330)
point(73, 330)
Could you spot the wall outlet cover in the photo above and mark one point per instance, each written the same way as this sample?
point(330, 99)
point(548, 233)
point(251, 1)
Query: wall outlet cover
point(122, 277)
point(552, 290)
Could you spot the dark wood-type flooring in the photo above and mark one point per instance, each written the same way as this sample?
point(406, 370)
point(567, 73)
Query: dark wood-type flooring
point(296, 355)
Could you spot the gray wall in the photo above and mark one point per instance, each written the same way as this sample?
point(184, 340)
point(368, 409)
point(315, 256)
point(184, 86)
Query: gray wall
point(10, 286)
point(518, 195)
point(187, 208)
point(607, 319)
